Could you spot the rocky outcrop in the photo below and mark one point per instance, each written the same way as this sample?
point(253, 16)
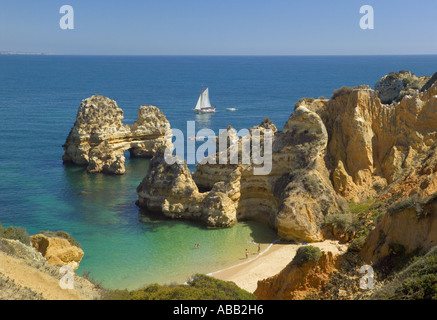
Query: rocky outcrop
point(57, 251)
point(351, 146)
point(409, 225)
point(293, 198)
point(303, 188)
point(396, 85)
point(99, 139)
point(297, 282)
point(170, 189)
point(372, 145)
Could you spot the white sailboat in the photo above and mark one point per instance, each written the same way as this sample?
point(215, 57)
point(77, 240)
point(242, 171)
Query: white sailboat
point(203, 104)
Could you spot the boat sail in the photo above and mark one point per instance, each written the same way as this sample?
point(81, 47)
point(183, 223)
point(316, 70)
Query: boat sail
point(203, 104)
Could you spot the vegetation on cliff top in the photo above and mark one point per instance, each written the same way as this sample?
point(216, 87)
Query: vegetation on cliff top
point(307, 254)
point(200, 287)
point(346, 90)
point(356, 223)
point(412, 202)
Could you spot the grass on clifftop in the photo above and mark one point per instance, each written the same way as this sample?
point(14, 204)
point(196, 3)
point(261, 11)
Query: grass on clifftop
point(357, 222)
point(200, 287)
point(365, 216)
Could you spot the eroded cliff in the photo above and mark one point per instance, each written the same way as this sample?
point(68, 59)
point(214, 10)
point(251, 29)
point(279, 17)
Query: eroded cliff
point(299, 280)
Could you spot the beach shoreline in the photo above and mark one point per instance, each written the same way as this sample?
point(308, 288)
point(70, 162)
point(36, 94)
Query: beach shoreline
point(269, 263)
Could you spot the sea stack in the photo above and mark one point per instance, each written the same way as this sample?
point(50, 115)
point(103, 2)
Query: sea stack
point(99, 138)
point(330, 152)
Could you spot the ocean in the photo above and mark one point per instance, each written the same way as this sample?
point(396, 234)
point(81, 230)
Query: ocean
point(125, 248)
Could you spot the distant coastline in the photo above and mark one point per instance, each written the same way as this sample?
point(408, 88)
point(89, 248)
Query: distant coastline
point(26, 53)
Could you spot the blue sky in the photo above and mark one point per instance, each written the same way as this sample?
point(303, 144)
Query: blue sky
point(221, 27)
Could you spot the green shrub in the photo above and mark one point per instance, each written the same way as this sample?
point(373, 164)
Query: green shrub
point(412, 202)
point(339, 221)
point(200, 287)
point(366, 216)
point(378, 186)
point(15, 233)
point(417, 281)
point(304, 100)
point(307, 254)
point(311, 183)
point(357, 244)
point(360, 208)
point(406, 81)
point(422, 283)
point(346, 90)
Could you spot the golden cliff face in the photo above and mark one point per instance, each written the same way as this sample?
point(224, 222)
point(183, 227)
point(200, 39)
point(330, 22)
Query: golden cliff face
point(293, 198)
point(99, 139)
point(372, 145)
point(296, 282)
point(410, 224)
point(170, 190)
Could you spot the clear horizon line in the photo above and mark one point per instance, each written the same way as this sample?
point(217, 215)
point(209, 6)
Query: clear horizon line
point(9, 52)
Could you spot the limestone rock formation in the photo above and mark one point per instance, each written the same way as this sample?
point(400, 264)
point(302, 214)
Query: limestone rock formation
point(372, 145)
point(57, 250)
point(295, 282)
point(99, 139)
point(396, 85)
point(26, 275)
point(170, 189)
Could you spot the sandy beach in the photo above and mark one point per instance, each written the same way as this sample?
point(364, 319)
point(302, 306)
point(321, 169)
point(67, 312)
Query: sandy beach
point(268, 263)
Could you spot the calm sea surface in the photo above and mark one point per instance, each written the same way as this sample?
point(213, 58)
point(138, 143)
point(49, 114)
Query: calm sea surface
point(39, 97)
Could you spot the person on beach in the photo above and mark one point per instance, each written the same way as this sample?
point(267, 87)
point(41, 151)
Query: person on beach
point(259, 248)
point(247, 254)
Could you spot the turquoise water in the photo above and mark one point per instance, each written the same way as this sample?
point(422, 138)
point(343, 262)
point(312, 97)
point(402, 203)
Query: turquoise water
point(124, 247)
